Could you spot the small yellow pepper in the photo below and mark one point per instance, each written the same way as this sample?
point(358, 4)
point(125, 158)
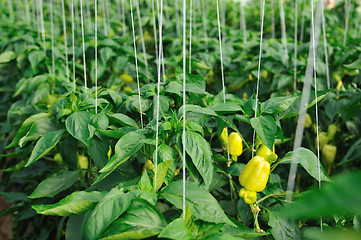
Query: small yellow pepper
point(323, 140)
point(266, 153)
point(223, 139)
point(329, 153)
point(331, 131)
point(308, 121)
point(255, 174)
point(249, 197)
point(126, 78)
point(148, 165)
point(235, 145)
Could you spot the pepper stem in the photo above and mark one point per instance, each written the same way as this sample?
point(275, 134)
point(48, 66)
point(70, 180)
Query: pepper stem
point(255, 210)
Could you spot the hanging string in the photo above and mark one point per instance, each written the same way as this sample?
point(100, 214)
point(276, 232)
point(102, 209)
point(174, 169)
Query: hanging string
point(222, 73)
point(243, 21)
point(27, 11)
point(52, 37)
point(142, 39)
point(222, 8)
point(283, 27)
point(190, 36)
point(155, 33)
point(123, 18)
point(65, 42)
point(204, 15)
point(33, 13)
point(273, 18)
point(82, 37)
point(38, 17)
point(89, 19)
point(315, 34)
point(118, 7)
point(347, 13)
point(184, 109)
point(295, 48)
point(162, 61)
point(73, 40)
point(325, 45)
point(42, 24)
point(302, 21)
point(136, 64)
point(158, 94)
point(258, 71)
point(96, 54)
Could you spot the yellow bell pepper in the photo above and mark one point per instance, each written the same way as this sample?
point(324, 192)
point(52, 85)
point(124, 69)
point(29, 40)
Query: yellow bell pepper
point(235, 145)
point(331, 131)
point(266, 153)
point(223, 139)
point(323, 140)
point(248, 197)
point(255, 174)
point(329, 153)
point(308, 121)
point(126, 78)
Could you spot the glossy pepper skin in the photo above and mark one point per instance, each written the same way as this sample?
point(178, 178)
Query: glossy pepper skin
point(235, 144)
point(248, 197)
point(266, 153)
point(331, 131)
point(308, 121)
point(255, 174)
point(329, 153)
point(223, 139)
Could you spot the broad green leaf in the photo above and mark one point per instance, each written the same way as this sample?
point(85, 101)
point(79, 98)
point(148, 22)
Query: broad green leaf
point(166, 153)
point(226, 108)
point(202, 204)
point(340, 197)
point(114, 204)
point(142, 220)
point(266, 128)
point(352, 154)
point(123, 120)
point(235, 169)
point(221, 236)
point(39, 128)
point(197, 110)
point(54, 184)
point(106, 53)
point(162, 169)
point(354, 65)
point(283, 228)
point(68, 149)
point(99, 121)
point(7, 56)
point(77, 125)
point(35, 57)
point(201, 154)
point(98, 150)
point(44, 145)
point(73, 227)
point(308, 161)
point(127, 146)
point(176, 230)
point(271, 105)
point(25, 127)
point(145, 183)
point(74, 204)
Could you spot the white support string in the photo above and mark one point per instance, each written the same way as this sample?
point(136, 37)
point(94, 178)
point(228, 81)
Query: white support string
point(347, 16)
point(325, 45)
point(96, 53)
point(295, 48)
point(302, 21)
point(73, 41)
point(243, 21)
point(273, 18)
point(190, 36)
point(136, 64)
point(222, 73)
point(65, 41)
point(158, 94)
point(27, 12)
point(315, 34)
point(142, 39)
point(155, 33)
point(89, 18)
point(184, 108)
point(283, 28)
point(162, 57)
point(82, 37)
point(52, 37)
point(123, 18)
point(258, 71)
point(42, 24)
point(37, 5)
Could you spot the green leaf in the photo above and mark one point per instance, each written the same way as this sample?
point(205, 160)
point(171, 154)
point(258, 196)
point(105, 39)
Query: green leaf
point(266, 128)
point(73, 227)
point(201, 202)
point(166, 153)
point(77, 125)
point(7, 56)
point(98, 150)
point(354, 65)
point(145, 183)
point(282, 228)
point(352, 154)
point(226, 108)
point(25, 127)
point(201, 154)
point(162, 169)
point(340, 197)
point(44, 145)
point(114, 204)
point(197, 110)
point(35, 57)
point(177, 229)
point(123, 120)
point(55, 184)
point(220, 236)
point(74, 204)
point(106, 53)
point(142, 220)
point(99, 121)
point(127, 146)
point(308, 161)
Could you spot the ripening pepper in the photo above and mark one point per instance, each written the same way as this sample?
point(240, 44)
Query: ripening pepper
point(329, 153)
point(255, 174)
point(148, 165)
point(323, 140)
point(248, 197)
point(308, 121)
point(266, 153)
point(235, 145)
point(331, 131)
point(126, 78)
point(223, 139)
point(83, 162)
